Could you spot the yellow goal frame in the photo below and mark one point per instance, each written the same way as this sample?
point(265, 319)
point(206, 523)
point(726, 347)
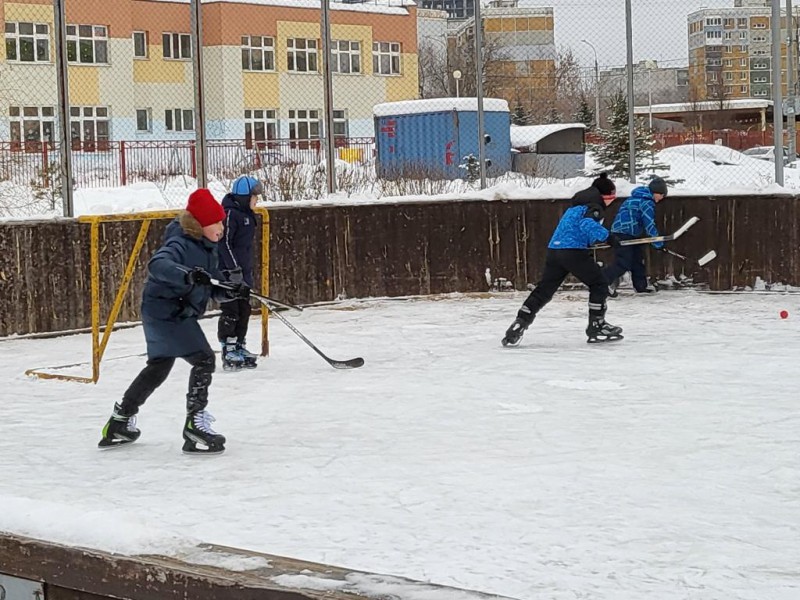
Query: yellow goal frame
point(98, 344)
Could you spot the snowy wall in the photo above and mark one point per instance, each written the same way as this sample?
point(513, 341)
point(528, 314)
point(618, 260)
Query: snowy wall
point(383, 249)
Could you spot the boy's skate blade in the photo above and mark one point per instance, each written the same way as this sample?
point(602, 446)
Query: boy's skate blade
point(194, 449)
point(604, 339)
point(105, 444)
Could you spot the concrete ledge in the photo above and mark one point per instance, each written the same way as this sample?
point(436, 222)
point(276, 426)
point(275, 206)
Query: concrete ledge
point(210, 573)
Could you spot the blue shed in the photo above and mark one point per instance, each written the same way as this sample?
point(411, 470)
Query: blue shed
point(432, 137)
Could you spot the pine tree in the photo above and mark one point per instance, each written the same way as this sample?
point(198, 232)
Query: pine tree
point(613, 153)
point(553, 116)
point(585, 114)
point(520, 116)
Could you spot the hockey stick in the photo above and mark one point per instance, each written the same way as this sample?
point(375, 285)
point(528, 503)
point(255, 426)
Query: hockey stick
point(659, 238)
point(270, 303)
point(702, 261)
point(352, 363)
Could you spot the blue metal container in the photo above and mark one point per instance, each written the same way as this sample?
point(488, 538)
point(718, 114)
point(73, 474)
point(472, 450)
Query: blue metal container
point(433, 138)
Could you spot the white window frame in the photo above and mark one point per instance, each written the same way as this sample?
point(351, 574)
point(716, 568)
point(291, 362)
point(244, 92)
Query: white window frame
point(145, 37)
point(78, 39)
point(148, 115)
point(728, 35)
point(302, 50)
point(743, 89)
point(741, 23)
point(729, 76)
point(728, 62)
point(265, 119)
point(258, 49)
point(176, 46)
point(742, 62)
point(742, 35)
point(23, 119)
point(713, 21)
point(305, 119)
point(759, 39)
point(712, 76)
point(759, 66)
point(86, 117)
point(713, 35)
point(729, 22)
point(742, 75)
point(346, 57)
point(38, 37)
point(175, 120)
point(759, 26)
point(386, 59)
point(760, 52)
point(341, 124)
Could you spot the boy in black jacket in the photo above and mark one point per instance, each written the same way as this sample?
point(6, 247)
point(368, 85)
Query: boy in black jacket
point(236, 262)
point(176, 293)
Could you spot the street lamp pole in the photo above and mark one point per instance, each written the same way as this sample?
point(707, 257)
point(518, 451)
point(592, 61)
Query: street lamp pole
point(596, 85)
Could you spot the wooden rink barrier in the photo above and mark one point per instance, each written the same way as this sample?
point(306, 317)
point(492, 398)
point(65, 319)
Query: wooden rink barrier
point(59, 572)
point(145, 218)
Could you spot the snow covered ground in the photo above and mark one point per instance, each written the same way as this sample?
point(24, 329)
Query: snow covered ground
point(661, 467)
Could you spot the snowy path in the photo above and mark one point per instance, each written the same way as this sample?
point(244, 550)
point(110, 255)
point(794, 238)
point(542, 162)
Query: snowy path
point(665, 466)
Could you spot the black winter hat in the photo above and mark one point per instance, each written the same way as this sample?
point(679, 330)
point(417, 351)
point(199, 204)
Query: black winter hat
point(604, 185)
point(658, 186)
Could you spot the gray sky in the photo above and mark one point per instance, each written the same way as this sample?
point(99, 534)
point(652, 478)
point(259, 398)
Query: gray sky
point(659, 28)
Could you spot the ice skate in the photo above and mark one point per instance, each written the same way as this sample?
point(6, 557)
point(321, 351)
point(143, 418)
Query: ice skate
point(199, 437)
point(599, 331)
point(518, 327)
point(232, 357)
point(119, 430)
point(250, 359)
point(612, 288)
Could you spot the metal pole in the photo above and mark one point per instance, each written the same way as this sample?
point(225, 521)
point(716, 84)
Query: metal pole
point(791, 123)
point(62, 77)
point(650, 96)
point(479, 91)
point(631, 118)
point(596, 85)
point(777, 92)
point(199, 94)
point(327, 78)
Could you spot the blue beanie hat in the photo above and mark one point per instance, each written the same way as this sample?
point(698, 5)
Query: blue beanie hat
point(247, 186)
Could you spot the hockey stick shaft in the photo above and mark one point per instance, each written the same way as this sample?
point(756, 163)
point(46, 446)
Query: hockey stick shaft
point(269, 302)
point(659, 238)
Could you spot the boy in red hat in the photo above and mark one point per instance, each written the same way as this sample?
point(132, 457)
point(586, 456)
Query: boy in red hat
point(176, 293)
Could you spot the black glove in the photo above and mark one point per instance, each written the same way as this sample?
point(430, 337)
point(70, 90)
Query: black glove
point(198, 276)
point(240, 291)
point(613, 240)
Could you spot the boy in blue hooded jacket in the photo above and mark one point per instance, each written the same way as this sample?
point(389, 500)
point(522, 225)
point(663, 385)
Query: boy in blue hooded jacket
point(635, 217)
point(568, 253)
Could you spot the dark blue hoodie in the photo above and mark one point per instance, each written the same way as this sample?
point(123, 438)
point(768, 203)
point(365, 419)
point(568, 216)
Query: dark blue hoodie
point(236, 246)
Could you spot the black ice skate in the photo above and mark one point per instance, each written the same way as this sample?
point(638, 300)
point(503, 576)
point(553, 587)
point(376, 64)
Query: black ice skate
point(518, 327)
point(199, 437)
point(120, 430)
point(233, 359)
point(612, 288)
point(250, 359)
point(599, 331)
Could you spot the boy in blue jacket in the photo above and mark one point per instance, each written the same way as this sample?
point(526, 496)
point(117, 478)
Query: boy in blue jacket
point(635, 217)
point(176, 293)
point(568, 252)
point(236, 262)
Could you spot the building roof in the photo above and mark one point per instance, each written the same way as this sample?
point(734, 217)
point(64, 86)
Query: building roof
point(706, 105)
point(525, 136)
point(437, 105)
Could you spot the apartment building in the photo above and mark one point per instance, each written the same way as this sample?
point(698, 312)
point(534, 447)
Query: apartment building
point(730, 51)
point(131, 75)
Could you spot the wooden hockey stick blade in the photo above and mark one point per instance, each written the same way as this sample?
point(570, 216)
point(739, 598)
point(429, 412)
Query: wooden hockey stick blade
point(706, 258)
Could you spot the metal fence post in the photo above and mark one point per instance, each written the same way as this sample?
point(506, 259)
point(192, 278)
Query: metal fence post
point(777, 92)
point(479, 92)
point(62, 78)
point(199, 93)
point(631, 98)
point(327, 74)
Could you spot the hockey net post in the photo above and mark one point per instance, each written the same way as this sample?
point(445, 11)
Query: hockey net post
point(99, 344)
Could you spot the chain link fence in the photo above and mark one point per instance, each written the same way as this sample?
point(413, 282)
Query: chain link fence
point(394, 111)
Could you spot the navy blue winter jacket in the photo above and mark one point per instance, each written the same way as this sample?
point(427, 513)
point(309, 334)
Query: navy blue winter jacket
point(637, 214)
point(580, 226)
point(170, 306)
point(236, 247)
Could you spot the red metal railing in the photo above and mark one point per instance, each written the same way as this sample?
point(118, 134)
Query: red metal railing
point(119, 163)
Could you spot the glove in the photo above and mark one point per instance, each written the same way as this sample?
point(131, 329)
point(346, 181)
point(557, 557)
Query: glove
point(234, 275)
point(240, 291)
point(613, 240)
point(198, 276)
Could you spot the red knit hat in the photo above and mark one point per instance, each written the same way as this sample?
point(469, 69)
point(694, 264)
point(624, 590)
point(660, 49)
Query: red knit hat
point(205, 208)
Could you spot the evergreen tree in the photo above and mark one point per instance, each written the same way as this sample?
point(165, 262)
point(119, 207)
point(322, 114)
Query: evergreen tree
point(520, 116)
point(585, 114)
point(613, 153)
point(553, 116)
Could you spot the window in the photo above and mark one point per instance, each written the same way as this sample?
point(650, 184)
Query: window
point(729, 23)
point(714, 62)
point(759, 80)
point(346, 56)
point(728, 62)
point(728, 35)
point(179, 119)
point(89, 127)
point(742, 48)
point(177, 46)
point(87, 44)
point(302, 55)
point(728, 89)
point(760, 52)
point(31, 125)
point(713, 35)
point(140, 49)
point(258, 53)
point(760, 66)
point(713, 21)
point(715, 48)
point(743, 89)
point(260, 125)
point(759, 25)
point(759, 39)
point(742, 22)
point(742, 62)
point(742, 75)
point(27, 42)
point(728, 49)
point(144, 120)
point(742, 35)
point(760, 93)
point(386, 58)
point(728, 76)
point(304, 124)
point(341, 129)
point(712, 76)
